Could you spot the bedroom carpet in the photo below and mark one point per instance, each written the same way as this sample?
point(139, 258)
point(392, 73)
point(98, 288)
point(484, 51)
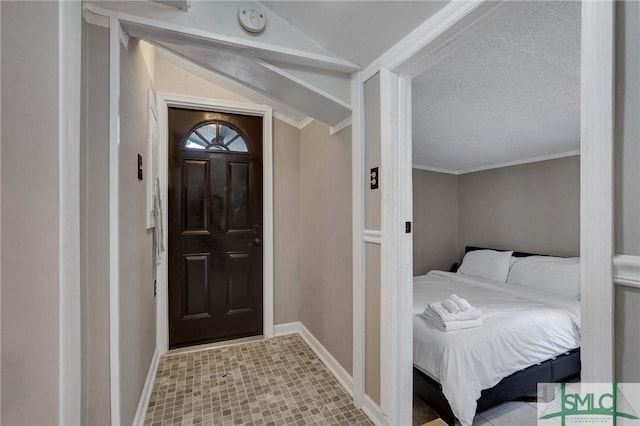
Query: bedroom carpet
point(272, 382)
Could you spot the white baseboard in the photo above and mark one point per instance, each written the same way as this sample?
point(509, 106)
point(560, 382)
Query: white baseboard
point(141, 412)
point(343, 377)
point(372, 410)
point(288, 328)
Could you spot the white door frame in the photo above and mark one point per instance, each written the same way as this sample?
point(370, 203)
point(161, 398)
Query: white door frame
point(437, 37)
point(166, 100)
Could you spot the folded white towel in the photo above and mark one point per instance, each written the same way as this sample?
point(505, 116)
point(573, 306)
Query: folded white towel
point(444, 315)
point(461, 303)
point(435, 320)
point(451, 306)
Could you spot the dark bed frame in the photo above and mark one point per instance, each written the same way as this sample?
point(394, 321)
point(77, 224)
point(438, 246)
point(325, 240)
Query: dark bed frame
point(518, 385)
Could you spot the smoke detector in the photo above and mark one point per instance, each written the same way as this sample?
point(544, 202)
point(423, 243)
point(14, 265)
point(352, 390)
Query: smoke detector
point(252, 18)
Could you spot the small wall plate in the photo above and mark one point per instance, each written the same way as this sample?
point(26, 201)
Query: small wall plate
point(252, 18)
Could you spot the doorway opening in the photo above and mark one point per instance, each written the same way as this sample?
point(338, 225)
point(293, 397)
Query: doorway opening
point(217, 155)
point(215, 226)
point(397, 72)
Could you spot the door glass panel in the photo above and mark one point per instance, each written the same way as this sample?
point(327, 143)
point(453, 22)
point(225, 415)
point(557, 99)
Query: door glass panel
point(215, 136)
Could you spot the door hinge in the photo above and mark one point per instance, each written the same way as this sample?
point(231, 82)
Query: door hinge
point(155, 288)
point(407, 227)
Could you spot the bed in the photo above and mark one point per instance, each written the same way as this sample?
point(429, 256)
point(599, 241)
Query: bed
point(527, 337)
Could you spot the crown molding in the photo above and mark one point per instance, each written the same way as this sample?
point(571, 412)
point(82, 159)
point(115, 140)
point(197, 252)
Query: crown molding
point(498, 165)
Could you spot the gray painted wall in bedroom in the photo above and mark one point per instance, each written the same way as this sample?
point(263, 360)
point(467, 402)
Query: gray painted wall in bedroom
point(531, 207)
point(435, 217)
point(627, 202)
point(627, 149)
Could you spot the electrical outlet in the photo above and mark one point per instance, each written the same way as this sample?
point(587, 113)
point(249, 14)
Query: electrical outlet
point(375, 178)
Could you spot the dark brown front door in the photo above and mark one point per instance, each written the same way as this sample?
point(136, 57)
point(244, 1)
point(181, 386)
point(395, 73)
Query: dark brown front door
point(215, 226)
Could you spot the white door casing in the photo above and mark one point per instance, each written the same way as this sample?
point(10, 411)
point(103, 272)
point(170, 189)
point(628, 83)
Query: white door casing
point(432, 40)
point(166, 100)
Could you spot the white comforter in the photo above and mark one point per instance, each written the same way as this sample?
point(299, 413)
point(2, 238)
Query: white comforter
point(521, 327)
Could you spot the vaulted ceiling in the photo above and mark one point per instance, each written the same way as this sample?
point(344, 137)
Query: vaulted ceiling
point(304, 57)
point(510, 94)
point(359, 31)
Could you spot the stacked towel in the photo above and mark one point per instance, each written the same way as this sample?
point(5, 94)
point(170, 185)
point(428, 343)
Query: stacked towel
point(453, 313)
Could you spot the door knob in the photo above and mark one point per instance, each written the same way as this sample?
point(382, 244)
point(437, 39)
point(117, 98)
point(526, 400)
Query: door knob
point(257, 241)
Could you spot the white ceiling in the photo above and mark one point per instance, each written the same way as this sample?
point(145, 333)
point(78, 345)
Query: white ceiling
point(359, 31)
point(510, 94)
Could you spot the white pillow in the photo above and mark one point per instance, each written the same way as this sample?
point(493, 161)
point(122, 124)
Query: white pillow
point(489, 264)
point(557, 275)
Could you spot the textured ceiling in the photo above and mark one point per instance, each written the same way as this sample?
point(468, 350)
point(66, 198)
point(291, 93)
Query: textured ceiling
point(510, 94)
point(359, 31)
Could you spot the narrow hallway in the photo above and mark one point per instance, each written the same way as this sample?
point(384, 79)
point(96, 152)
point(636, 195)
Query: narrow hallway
point(269, 382)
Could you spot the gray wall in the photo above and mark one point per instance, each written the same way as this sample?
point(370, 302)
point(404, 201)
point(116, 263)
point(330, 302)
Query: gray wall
point(532, 207)
point(435, 221)
point(627, 146)
point(372, 251)
point(325, 239)
point(372, 322)
point(627, 182)
point(30, 213)
point(94, 225)
point(372, 148)
point(137, 303)
point(286, 178)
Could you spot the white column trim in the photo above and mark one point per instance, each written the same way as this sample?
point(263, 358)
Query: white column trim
point(70, 77)
point(404, 344)
point(390, 230)
point(372, 236)
point(166, 100)
point(626, 270)
point(358, 188)
point(396, 292)
point(596, 190)
point(372, 410)
point(114, 226)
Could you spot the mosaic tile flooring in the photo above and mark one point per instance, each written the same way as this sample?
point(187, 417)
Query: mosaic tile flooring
point(272, 382)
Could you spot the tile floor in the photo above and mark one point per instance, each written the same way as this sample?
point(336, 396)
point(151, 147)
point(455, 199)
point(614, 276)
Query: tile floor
point(271, 382)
